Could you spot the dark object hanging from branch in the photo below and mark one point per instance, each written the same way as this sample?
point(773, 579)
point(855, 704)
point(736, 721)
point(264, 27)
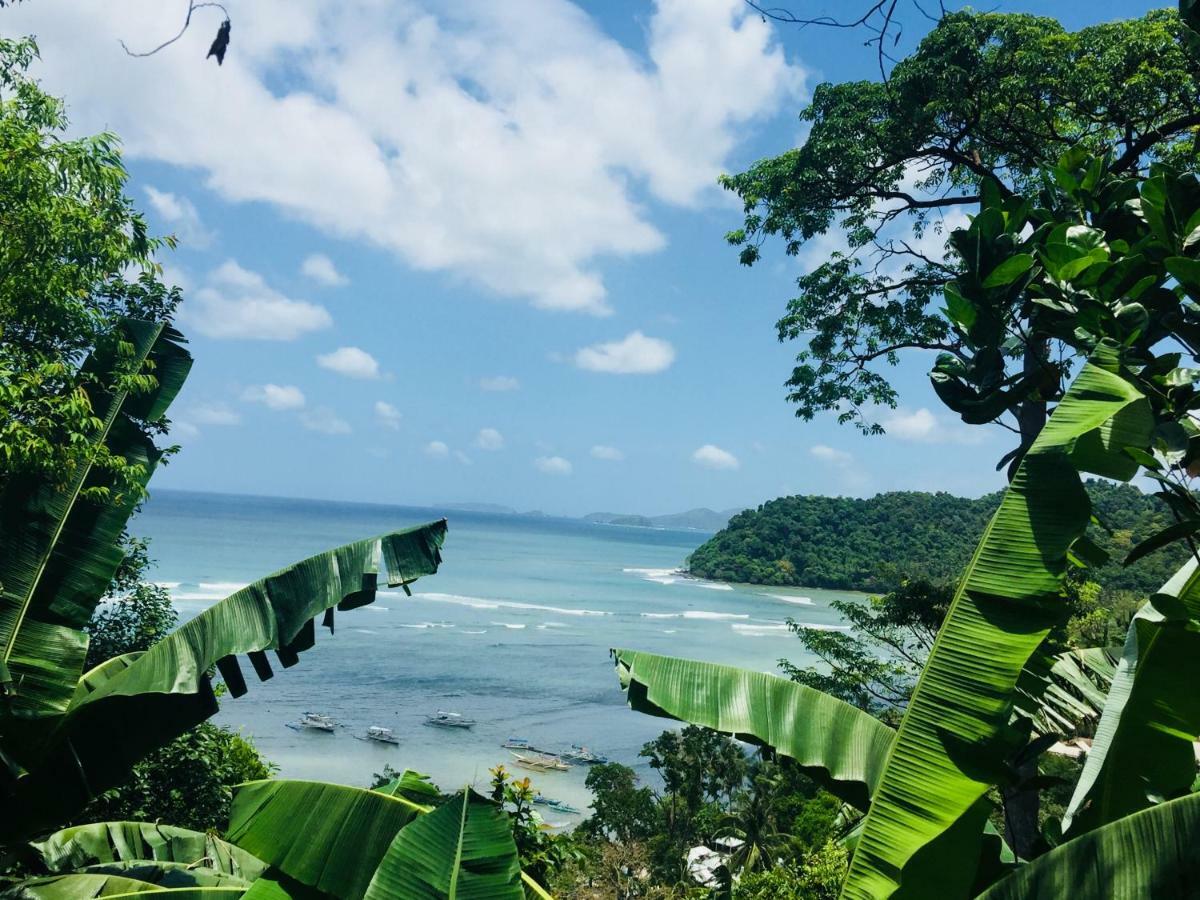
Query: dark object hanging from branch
point(219, 45)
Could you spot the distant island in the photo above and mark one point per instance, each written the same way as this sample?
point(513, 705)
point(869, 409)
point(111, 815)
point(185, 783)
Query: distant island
point(869, 545)
point(701, 519)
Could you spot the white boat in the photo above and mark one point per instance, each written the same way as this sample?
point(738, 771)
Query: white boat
point(449, 720)
point(540, 762)
point(518, 743)
point(381, 734)
point(317, 722)
point(584, 755)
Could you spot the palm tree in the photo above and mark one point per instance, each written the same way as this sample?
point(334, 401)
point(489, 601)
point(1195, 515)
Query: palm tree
point(752, 821)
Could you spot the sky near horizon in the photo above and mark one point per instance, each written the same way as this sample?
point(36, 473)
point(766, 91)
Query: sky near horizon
point(473, 251)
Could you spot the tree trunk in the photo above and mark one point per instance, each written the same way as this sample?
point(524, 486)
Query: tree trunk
point(1031, 415)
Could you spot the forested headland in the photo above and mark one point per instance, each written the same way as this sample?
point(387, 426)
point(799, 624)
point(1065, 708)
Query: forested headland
point(873, 544)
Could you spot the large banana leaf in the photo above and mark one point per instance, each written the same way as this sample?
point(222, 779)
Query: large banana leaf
point(1143, 748)
point(326, 836)
point(463, 850)
point(112, 887)
point(58, 548)
point(121, 842)
point(955, 738)
point(1146, 856)
point(841, 747)
point(1065, 694)
point(128, 707)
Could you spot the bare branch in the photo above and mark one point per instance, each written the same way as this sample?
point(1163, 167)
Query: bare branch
point(192, 7)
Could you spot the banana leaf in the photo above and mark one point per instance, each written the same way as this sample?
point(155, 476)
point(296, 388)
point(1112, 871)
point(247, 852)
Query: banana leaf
point(1143, 750)
point(325, 836)
point(463, 850)
point(1148, 855)
point(955, 740)
point(412, 786)
point(60, 543)
point(86, 887)
point(110, 843)
point(1064, 694)
point(839, 746)
point(156, 696)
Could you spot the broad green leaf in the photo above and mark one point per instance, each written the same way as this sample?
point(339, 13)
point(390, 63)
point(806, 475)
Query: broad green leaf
point(59, 550)
point(1143, 749)
point(841, 747)
point(160, 694)
point(412, 786)
point(463, 850)
point(326, 836)
point(1168, 535)
point(116, 842)
point(111, 887)
point(955, 739)
point(1009, 271)
point(1145, 856)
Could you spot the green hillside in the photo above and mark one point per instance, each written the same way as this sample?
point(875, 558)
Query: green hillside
point(868, 545)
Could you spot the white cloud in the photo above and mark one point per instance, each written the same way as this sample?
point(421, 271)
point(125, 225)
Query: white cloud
point(516, 145)
point(600, 451)
point(320, 268)
point(553, 465)
point(437, 450)
point(499, 383)
point(713, 457)
point(275, 396)
point(324, 420)
point(238, 303)
point(351, 362)
point(181, 213)
point(213, 414)
point(635, 354)
point(387, 415)
point(925, 427)
point(489, 439)
point(830, 455)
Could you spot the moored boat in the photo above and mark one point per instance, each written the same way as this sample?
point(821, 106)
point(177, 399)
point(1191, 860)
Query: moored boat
point(449, 720)
point(540, 762)
point(382, 735)
point(583, 755)
point(316, 722)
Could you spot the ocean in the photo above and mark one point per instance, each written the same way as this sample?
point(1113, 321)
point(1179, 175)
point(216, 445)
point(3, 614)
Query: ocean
point(514, 632)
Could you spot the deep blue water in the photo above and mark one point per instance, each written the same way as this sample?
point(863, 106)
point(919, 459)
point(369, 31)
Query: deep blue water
point(514, 631)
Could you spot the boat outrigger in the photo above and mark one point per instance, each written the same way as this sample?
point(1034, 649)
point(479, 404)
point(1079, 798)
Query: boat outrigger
point(540, 762)
point(315, 721)
point(449, 720)
point(381, 734)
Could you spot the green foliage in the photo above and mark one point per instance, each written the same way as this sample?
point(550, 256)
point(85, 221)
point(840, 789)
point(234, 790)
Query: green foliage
point(818, 877)
point(70, 235)
point(623, 811)
point(880, 542)
point(542, 854)
point(188, 783)
point(137, 615)
point(988, 102)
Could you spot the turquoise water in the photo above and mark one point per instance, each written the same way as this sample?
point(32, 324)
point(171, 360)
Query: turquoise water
point(514, 632)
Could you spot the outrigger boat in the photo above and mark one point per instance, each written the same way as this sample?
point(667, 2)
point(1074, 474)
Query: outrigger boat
point(518, 743)
point(449, 720)
point(381, 734)
point(557, 805)
point(540, 762)
point(584, 755)
point(315, 721)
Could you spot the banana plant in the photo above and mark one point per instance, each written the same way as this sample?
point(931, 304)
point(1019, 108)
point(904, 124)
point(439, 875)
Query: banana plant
point(67, 735)
point(299, 840)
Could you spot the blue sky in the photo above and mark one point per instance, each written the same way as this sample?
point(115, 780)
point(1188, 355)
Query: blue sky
point(473, 251)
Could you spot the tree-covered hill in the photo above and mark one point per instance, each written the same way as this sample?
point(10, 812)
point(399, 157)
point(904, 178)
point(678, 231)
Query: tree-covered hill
point(869, 545)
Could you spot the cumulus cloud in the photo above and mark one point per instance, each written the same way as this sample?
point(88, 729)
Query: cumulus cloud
point(437, 450)
point(635, 354)
point(420, 127)
point(830, 455)
point(713, 457)
point(553, 465)
point(351, 362)
point(324, 420)
point(923, 426)
point(181, 214)
point(600, 451)
point(489, 439)
point(499, 383)
point(320, 268)
point(275, 396)
point(387, 415)
point(213, 414)
point(238, 303)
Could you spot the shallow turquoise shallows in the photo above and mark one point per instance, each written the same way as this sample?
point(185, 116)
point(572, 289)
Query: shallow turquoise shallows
point(513, 632)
